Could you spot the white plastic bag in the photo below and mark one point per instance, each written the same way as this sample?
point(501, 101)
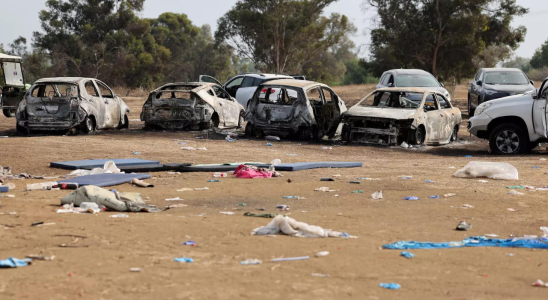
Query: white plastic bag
point(289, 226)
point(499, 171)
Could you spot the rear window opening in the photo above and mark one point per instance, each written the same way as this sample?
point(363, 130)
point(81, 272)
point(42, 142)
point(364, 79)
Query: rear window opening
point(52, 90)
point(278, 95)
point(174, 95)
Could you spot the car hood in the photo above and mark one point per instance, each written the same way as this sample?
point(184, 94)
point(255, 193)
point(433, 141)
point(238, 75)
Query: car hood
point(517, 89)
point(377, 112)
point(510, 99)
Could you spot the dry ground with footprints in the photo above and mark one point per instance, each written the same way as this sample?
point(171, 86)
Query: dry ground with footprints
point(98, 265)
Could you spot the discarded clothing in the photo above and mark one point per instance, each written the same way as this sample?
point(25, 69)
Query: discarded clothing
point(499, 171)
point(246, 171)
point(475, 241)
point(14, 262)
point(112, 200)
point(250, 214)
point(289, 226)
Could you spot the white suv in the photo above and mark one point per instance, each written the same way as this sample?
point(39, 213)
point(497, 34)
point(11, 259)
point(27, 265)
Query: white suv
point(513, 125)
point(243, 86)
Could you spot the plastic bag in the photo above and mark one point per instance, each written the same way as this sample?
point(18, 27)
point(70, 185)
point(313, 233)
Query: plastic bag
point(289, 226)
point(498, 171)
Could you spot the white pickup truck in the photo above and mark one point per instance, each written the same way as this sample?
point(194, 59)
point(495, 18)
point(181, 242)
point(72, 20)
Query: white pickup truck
point(515, 124)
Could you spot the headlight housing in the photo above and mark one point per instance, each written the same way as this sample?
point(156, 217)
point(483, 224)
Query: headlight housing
point(482, 107)
point(490, 92)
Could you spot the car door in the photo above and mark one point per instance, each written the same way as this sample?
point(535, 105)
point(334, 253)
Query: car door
point(247, 89)
point(233, 85)
point(540, 110)
point(207, 78)
point(228, 106)
point(434, 118)
point(449, 118)
point(94, 97)
point(112, 106)
point(331, 110)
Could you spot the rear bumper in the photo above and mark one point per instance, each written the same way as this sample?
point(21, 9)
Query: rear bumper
point(48, 125)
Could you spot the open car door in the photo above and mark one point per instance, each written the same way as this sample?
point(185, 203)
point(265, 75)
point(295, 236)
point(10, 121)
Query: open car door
point(539, 110)
point(206, 78)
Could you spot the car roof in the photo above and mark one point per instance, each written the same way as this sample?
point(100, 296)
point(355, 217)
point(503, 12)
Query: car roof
point(408, 90)
point(10, 57)
point(409, 71)
point(502, 69)
point(199, 85)
point(63, 79)
point(292, 82)
point(266, 75)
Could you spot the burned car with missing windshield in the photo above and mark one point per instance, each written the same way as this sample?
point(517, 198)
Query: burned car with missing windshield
point(198, 105)
point(290, 107)
point(74, 104)
point(391, 116)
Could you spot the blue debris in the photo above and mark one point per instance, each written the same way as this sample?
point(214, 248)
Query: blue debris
point(390, 286)
point(136, 153)
point(269, 144)
point(412, 198)
point(14, 262)
point(535, 167)
point(189, 243)
point(184, 259)
point(291, 197)
point(214, 180)
point(429, 181)
point(468, 156)
point(434, 197)
point(406, 177)
point(407, 254)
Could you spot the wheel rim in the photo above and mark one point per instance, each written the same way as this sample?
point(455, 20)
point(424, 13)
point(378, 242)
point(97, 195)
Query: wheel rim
point(89, 125)
point(418, 136)
point(507, 141)
point(455, 134)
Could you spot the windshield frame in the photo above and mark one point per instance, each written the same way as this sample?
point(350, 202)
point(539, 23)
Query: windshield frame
point(421, 104)
point(527, 80)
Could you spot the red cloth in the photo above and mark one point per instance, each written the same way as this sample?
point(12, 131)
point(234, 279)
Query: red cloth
point(244, 171)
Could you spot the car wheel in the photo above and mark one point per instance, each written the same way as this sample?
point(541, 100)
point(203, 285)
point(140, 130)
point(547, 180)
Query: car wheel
point(508, 139)
point(9, 113)
point(305, 133)
point(455, 134)
point(88, 125)
point(126, 123)
point(317, 133)
point(249, 129)
point(241, 120)
point(417, 136)
point(471, 111)
point(21, 130)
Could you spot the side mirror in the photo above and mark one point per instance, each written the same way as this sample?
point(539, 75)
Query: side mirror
point(479, 83)
point(534, 94)
point(442, 85)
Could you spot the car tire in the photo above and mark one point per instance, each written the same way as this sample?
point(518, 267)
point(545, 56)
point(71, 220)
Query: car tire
point(508, 139)
point(21, 130)
point(241, 119)
point(249, 129)
point(88, 125)
point(471, 111)
point(417, 136)
point(9, 113)
point(126, 123)
point(455, 134)
point(317, 133)
point(305, 133)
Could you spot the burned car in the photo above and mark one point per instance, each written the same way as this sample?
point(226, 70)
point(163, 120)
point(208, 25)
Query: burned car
point(70, 104)
point(395, 115)
point(199, 105)
point(291, 107)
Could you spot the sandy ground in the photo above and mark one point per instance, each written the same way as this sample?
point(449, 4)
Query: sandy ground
point(100, 269)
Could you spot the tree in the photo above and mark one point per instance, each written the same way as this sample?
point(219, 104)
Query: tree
point(441, 36)
point(540, 58)
point(491, 56)
point(281, 36)
point(518, 62)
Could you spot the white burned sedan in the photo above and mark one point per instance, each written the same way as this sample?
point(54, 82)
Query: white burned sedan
point(395, 115)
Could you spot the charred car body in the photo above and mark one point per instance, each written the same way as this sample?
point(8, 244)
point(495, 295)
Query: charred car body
point(198, 105)
point(70, 103)
point(395, 115)
point(290, 107)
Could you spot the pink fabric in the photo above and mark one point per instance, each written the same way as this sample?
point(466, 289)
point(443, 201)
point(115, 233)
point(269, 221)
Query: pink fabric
point(244, 171)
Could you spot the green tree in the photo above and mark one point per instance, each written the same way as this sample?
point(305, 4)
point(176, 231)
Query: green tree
point(281, 36)
point(540, 58)
point(491, 56)
point(518, 62)
point(441, 36)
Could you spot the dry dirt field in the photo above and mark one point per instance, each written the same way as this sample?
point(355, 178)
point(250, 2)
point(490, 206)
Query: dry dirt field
point(100, 268)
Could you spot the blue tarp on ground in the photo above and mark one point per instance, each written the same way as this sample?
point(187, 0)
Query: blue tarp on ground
point(475, 241)
point(99, 163)
point(102, 180)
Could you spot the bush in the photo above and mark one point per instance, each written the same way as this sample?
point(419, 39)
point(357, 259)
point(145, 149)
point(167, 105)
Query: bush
point(538, 74)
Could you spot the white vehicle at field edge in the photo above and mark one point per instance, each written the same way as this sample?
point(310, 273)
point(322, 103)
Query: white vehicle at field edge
point(513, 125)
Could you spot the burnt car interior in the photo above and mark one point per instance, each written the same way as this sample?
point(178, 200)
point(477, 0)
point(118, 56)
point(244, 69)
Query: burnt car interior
point(51, 95)
point(401, 100)
point(278, 96)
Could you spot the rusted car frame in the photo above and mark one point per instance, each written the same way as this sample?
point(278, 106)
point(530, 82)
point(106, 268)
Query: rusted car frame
point(297, 108)
point(391, 116)
point(71, 104)
point(194, 105)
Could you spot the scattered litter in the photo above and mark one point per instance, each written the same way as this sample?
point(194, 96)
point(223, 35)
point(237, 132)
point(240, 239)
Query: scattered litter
point(135, 270)
point(289, 226)
point(464, 226)
point(194, 149)
point(412, 198)
point(337, 175)
point(320, 275)
point(113, 200)
point(227, 213)
point(136, 153)
point(429, 181)
point(120, 216)
point(294, 197)
point(292, 154)
point(290, 258)
point(201, 189)
point(250, 214)
point(174, 199)
point(540, 283)
point(376, 195)
point(451, 167)
point(465, 206)
point(535, 167)
point(357, 192)
point(322, 254)
point(141, 183)
point(327, 179)
point(512, 209)
point(283, 207)
point(189, 243)
point(545, 231)
point(269, 144)
point(324, 189)
point(498, 171)
point(246, 171)
point(184, 259)
point(514, 192)
point(406, 177)
point(327, 148)
point(214, 180)
point(185, 190)
point(355, 182)
point(491, 235)
point(174, 173)
point(404, 145)
point(483, 181)
point(468, 156)
point(390, 286)
point(542, 159)
point(434, 197)
point(41, 257)
point(14, 262)
point(37, 224)
point(449, 195)
point(369, 179)
point(219, 175)
point(251, 262)
point(175, 206)
point(519, 187)
point(407, 254)
point(271, 138)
